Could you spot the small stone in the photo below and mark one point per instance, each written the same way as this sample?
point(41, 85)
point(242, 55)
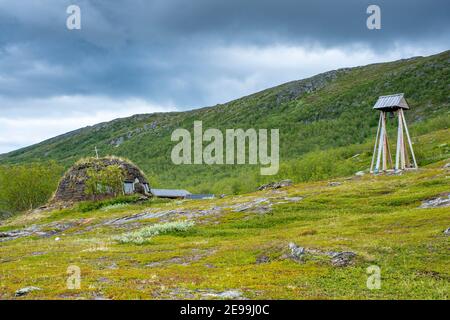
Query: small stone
point(296, 251)
point(103, 280)
point(112, 266)
point(230, 294)
point(342, 259)
point(439, 202)
point(276, 185)
point(447, 232)
point(25, 291)
point(262, 259)
point(57, 238)
point(360, 173)
point(334, 184)
point(285, 183)
point(446, 166)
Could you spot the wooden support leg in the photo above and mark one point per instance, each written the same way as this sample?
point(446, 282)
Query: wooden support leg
point(375, 146)
point(384, 143)
point(397, 152)
point(402, 144)
point(380, 145)
point(409, 140)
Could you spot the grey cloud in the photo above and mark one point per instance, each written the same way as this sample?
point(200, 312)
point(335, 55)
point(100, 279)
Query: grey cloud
point(160, 50)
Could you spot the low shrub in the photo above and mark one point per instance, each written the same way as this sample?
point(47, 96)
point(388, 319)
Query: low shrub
point(145, 234)
point(114, 206)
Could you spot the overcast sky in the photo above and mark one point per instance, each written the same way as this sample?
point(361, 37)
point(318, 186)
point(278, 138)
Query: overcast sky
point(136, 56)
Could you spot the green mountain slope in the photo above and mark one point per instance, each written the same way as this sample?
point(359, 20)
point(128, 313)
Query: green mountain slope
point(323, 121)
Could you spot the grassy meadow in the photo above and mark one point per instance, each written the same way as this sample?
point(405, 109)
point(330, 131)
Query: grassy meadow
point(376, 217)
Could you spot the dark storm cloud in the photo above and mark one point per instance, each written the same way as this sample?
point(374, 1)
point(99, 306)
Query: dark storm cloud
point(151, 48)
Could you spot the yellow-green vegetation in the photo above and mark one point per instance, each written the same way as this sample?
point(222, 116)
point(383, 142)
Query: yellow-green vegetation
point(24, 187)
point(144, 235)
point(241, 243)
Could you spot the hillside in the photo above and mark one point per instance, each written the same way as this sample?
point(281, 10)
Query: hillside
point(324, 121)
point(242, 247)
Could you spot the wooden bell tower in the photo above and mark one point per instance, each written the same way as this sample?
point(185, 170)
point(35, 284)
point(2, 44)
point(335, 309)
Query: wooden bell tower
point(382, 158)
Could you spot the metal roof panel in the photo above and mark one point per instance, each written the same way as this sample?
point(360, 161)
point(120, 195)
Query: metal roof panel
point(394, 101)
point(169, 192)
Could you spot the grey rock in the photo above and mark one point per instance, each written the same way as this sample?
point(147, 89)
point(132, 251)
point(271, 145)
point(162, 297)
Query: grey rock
point(164, 215)
point(99, 296)
point(296, 251)
point(184, 293)
point(334, 184)
point(53, 229)
point(360, 173)
point(447, 232)
point(252, 205)
point(38, 253)
point(276, 185)
point(440, 202)
point(25, 291)
point(295, 89)
point(112, 266)
point(285, 183)
point(342, 259)
point(262, 259)
point(14, 234)
point(446, 166)
point(118, 141)
point(230, 294)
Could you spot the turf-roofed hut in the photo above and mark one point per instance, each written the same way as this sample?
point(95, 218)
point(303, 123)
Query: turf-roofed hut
point(93, 178)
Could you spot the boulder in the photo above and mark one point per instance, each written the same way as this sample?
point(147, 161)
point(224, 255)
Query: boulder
point(262, 259)
point(443, 201)
point(342, 259)
point(296, 251)
point(25, 291)
point(276, 185)
point(230, 294)
point(334, 184)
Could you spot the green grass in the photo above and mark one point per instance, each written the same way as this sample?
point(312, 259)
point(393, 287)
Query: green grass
point(376, 217)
